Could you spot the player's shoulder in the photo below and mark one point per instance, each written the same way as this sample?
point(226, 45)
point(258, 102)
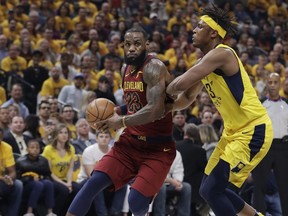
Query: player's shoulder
point(152, 60)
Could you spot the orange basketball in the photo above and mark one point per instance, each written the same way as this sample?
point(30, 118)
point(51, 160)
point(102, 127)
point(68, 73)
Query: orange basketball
point(98, 110)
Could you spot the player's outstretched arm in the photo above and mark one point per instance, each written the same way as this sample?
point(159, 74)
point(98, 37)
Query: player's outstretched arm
point(186, 98)
point(214, 59)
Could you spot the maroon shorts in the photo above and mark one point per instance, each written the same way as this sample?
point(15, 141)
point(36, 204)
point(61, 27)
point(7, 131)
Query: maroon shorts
point(146, 163)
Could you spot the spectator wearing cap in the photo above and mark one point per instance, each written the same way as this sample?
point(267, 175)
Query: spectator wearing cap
point(73, 94)
point(104, 89)
point(35, 75)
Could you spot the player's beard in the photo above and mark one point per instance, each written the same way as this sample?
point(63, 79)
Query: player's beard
point(135, 60)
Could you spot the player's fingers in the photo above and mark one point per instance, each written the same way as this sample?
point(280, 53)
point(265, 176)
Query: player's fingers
point(102, 125)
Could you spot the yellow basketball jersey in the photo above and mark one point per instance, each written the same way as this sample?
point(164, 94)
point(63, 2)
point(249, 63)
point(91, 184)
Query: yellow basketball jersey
point(234, 97)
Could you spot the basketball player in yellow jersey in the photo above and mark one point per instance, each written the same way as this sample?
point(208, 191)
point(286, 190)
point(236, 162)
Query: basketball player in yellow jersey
point(247, 131)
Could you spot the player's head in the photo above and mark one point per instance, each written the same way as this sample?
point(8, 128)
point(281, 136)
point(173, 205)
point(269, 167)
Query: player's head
point(135, 45)
point(215, 23)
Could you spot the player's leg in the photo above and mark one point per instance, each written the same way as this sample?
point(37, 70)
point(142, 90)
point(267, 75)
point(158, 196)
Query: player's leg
point(222, 200)
point(213, 190)
point(138, 202)
point(82, 201)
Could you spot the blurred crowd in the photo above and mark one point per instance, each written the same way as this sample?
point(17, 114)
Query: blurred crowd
point(56, 56)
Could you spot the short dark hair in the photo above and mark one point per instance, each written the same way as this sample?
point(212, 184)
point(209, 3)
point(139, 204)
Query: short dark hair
point(138, 29)
point(222, 17)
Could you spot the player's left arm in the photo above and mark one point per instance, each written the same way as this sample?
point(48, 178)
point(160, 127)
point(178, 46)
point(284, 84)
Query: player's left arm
point(219, 58)
point(155, 76)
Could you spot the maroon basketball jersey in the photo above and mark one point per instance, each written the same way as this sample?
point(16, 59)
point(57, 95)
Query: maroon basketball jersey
point(135, 98)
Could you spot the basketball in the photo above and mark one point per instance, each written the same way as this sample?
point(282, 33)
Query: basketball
point(98, 110)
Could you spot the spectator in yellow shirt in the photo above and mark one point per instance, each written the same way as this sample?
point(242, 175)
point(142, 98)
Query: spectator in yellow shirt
point(277, 12)
point(53, 85)
point(93, 35)
point(273, 59)
point(11, 31)
point(64, 22)
point(108, 65)
point(90, 7)
point(13, 62)
point(82, 18)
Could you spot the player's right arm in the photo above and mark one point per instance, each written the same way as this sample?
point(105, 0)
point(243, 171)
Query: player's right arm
point(186, 98)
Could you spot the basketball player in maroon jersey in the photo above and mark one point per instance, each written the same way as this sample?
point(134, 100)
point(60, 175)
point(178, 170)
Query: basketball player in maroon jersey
point(145, 149)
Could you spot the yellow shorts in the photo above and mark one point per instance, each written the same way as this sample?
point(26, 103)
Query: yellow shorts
point(243, 151)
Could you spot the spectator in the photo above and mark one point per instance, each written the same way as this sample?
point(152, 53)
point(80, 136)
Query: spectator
point(174, 184)
point(83, 140)
point(35, 75)
point(209, 138)
point(34, 171)
point(68, 72)
point(284, 90)
point(3, 47)
point(15, 136)
point(91, 155)
point(4, 119)
point(60, 155)
point(43, 113)
point(63, 21)
point(73, 94)
point(194, 162)
point(13, 110)
point(103, 89)
point(179, 121)
point(54, 107)
point(53, 85)
point(68, 115)
point(13, 62)
point(16, 97)
point(10, 187)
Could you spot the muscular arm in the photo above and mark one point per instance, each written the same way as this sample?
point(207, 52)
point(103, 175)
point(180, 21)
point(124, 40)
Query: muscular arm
point(155, 76)
point(219, 58)
point(185, 99)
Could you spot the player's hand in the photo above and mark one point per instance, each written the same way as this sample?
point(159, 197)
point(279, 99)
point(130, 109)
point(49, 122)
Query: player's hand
point(115, 122)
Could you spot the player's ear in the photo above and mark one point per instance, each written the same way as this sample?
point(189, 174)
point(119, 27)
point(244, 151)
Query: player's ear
point(214, 33)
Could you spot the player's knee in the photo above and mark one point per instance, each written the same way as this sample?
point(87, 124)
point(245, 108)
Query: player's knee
point(138, 203)
point(137, 209)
